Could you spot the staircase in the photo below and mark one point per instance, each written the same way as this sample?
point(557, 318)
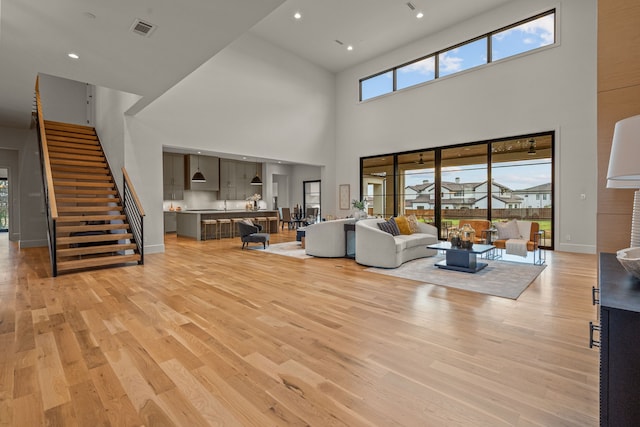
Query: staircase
point(91, 229)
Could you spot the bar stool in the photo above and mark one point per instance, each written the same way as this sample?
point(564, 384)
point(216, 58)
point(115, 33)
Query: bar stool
point(204, 224)
point(221, 222)
point(234, 226)
point(271, 220)
point(262, 220)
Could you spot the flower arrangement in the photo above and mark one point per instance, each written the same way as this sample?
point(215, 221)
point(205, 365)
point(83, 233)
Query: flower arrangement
point(358, 204)
point(255, 197)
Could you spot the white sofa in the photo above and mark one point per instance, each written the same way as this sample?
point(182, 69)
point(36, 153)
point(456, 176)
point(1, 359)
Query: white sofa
point(377, 248)
point(327, 238)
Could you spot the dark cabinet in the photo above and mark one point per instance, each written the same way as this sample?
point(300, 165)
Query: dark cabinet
point(619, 344)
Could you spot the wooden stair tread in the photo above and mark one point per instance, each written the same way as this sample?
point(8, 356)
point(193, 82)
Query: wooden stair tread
point(114, 208)
point(83, 175)
point(84, 218)
point(79, 138)
point(86, 200)
point(97, 227)
point(77, 163)
point(72, 150)
point(69, 128)
point(60, 137)
point(62, 143)
point(97, 262)
point(92, 250)
point(68, 183)
point(70, 190)
point(78, 169)
point(93, 238)
point(90, 158)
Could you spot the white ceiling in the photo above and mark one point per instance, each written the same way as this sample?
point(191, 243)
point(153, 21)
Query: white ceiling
point(372, 27)
point(36, 35)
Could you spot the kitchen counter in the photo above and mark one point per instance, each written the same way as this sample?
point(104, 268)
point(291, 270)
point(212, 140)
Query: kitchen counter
point(189, 221)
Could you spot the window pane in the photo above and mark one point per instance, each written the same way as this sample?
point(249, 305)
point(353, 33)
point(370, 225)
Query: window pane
point(416, 179)
point(521, 187)
point(377, 85)
point(377, 184)
point(416, 73)
point(523, 38)
point(463, 57)
point(463, 189)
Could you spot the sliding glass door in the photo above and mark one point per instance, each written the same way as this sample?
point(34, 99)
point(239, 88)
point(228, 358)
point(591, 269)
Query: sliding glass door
point(463, 185)
point(4, 204)
point(311, 200)
point(510, 178)
point(522, 170)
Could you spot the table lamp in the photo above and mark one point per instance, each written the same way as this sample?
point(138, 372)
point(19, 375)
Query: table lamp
point(624, 166)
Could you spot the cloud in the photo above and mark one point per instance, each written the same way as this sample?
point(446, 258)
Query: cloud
point(426, 66)
point(541, 30)
point(450, 63)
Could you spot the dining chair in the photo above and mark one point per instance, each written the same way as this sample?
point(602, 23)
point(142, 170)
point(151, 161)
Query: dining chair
point(285, 217)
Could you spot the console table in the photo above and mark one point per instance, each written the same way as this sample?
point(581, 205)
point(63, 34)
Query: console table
point(350, 240)
point(619, 344)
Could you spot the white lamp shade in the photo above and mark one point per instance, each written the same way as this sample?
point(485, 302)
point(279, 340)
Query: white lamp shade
point(624, 167)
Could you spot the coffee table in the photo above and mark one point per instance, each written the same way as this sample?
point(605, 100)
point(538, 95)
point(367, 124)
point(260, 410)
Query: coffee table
point(462, 259)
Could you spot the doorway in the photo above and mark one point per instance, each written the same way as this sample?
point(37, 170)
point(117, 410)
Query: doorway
point(311, 200)
point(4, 200)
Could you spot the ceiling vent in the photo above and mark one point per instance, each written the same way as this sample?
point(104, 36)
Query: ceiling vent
point(142, 28)
point(411, 6)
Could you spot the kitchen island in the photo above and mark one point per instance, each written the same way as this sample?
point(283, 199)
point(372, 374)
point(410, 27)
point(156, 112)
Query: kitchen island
point(189, 221)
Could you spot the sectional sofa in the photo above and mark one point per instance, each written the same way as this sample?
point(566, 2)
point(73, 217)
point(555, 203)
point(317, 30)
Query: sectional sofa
point(377, 248)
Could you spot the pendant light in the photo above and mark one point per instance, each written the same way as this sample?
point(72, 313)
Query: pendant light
point(256, 179)
point(198, 176)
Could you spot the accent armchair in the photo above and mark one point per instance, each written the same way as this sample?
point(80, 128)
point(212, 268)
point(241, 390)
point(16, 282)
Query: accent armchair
point(251, 233)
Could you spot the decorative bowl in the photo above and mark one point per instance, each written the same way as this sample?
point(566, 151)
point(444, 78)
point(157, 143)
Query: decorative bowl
point(630, 260)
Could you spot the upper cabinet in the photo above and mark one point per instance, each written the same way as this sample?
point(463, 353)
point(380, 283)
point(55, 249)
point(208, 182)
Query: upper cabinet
point(173, 176)
point(236, 178)
point(208, 165)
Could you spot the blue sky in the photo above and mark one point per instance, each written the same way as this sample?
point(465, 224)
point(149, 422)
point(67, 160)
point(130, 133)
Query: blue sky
point(515, 175)
point(524, 37)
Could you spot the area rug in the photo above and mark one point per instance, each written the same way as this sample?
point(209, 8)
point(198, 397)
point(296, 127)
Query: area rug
point(292, 249)
point(500, 278)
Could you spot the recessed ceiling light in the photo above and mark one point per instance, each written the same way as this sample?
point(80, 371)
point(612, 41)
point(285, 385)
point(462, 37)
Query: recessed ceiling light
point(419, 15)
point(297, 15)
point(349, 47)
point(73, 56)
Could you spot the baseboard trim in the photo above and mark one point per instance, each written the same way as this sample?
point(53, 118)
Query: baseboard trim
point(580, 249)
point(154, 249)
point(32, 243)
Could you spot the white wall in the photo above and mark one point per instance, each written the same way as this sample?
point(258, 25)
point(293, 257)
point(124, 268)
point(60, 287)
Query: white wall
point(553, 89)
point(63, 100)
point(110, 106)
point(19, 152)
point(252, 99)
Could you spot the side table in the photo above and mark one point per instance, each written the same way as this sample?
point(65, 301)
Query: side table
point(350, 240)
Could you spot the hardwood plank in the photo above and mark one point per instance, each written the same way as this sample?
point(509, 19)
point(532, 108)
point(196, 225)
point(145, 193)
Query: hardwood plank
point(195, 337)
point(51, 377)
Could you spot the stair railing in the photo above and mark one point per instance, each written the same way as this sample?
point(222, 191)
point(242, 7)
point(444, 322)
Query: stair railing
point(47, 182)
point(134, 212)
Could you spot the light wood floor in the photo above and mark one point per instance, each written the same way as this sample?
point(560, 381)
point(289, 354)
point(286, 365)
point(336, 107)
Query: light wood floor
point(208, 334)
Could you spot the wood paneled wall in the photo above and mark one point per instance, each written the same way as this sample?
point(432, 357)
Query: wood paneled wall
point(618, 98)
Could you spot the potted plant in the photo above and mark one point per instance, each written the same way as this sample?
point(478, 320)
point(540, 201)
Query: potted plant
point(360, 206)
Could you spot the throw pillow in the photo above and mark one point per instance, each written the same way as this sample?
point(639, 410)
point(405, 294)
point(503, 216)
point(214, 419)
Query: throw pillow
point(508, 230)
point(403, 224)
point(389, 227)
point(413, 223)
